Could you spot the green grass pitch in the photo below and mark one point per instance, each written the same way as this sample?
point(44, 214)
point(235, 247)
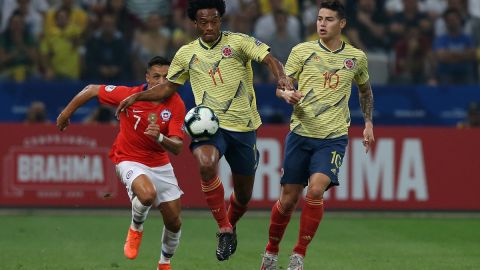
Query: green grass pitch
point(86, 240)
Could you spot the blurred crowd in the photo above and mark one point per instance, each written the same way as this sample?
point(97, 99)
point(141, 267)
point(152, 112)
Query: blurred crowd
point(407, 41)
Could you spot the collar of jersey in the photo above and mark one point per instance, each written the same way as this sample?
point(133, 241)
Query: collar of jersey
point(205, 45)
point(328, 50)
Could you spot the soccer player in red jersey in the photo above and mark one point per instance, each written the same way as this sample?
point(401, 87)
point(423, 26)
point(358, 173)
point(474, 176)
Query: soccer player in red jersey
point(147, 131)
point(218, 66)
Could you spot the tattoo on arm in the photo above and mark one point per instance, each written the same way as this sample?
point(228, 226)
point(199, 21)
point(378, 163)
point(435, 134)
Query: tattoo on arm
point(365, 95)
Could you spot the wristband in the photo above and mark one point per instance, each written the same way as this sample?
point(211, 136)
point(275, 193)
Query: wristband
point(160, 138)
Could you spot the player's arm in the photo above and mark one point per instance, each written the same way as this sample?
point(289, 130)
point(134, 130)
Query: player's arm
point(89, 92)
point(365, 95)
point(156, 93)
point(276, 67)
point(290, 96)
point(172, 144)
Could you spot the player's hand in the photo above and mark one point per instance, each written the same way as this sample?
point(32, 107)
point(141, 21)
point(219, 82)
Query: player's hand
point(368, 138)
point(284, 83)
point(125, 104)
point(153, 130)
point(292, 96)
point(63, 120)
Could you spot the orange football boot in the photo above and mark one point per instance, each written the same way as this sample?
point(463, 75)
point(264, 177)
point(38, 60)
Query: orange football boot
point(164, 266)
point(132, 244)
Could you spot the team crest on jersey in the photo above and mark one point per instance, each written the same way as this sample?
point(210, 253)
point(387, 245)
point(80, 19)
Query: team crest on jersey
point(110, 88)
point(166, 115)
point(349, 63)
point(227, 51)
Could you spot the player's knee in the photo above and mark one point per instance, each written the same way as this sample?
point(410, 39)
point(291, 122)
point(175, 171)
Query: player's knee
point(147, 197)
point(316, 192)
point(208, 170)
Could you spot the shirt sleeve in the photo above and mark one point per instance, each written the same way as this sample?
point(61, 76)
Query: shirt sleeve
point(175, 126)
point(113, 95)
point(361, 77)
point(178, 72)
point(254, 48)
point(293, 67)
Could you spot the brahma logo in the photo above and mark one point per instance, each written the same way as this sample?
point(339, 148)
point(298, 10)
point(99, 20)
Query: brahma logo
point(44, 164)
point(349, 63)
point(227, 51)
point(166, 115)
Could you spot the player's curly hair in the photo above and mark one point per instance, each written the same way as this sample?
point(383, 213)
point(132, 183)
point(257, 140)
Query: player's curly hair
point(195, 5)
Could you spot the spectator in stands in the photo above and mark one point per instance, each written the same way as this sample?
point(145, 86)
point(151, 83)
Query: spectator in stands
point(107, 55)
point(410, 17)
point(265, 25)
point(77, 16)
point(454, 52)
point(126, 22)
point(154, 39)
point(267, 6)
point(281, 43)
point(412, 58)
point(461, 6)
point(59, 49)
point(36, 113)
point(368, 30)
point(142, 8)
point(18, 53)
point(32, 11)
point(102, 115)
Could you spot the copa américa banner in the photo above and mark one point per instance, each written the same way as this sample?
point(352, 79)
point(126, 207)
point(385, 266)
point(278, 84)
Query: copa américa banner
point(409, 168)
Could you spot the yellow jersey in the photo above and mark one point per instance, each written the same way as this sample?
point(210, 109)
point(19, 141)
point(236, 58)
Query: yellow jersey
point(325, 79)
point(221, 77)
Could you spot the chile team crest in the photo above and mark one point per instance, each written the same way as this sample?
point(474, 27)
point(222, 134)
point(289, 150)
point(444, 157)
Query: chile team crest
point(166, 115)
point(349, 63)
point(227, 51)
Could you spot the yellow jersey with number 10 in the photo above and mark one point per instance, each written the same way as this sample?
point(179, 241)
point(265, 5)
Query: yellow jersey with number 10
point(325, 79)
point(221, 77)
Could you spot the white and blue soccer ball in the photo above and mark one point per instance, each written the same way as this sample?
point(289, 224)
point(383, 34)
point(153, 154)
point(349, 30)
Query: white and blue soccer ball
point(201, 123)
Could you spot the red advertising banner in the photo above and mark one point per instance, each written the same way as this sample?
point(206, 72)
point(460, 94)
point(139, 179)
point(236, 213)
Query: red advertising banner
point(408, 169)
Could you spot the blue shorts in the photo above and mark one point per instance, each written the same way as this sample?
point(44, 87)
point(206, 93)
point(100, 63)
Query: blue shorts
point(305, 156)
point(239, 149)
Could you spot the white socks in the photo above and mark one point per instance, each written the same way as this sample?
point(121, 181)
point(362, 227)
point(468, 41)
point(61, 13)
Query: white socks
point(170, 241)
point(139, 214)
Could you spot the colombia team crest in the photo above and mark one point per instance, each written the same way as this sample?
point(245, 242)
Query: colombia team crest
point(227, 51)
point(349, 63)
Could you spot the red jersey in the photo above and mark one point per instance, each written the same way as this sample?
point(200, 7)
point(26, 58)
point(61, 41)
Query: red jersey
point(131, 144)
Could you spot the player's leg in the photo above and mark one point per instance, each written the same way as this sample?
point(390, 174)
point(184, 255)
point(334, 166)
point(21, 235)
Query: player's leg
point(168, 202)
point(171, 232)
point(142, 194)
point(324, 167)
point(242, 156)
point(208, 153)
point(294, 179)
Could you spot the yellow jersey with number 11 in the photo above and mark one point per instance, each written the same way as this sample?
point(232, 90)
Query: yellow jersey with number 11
point(221, 77)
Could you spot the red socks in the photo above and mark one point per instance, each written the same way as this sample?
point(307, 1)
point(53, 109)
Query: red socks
point(215, 194)
point(312, 213)
point(235, 210)
point(278, 223)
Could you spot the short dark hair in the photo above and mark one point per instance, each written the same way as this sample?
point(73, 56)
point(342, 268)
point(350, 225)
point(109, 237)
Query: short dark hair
point(334, 5)
point(158, 61)
point(195, 5)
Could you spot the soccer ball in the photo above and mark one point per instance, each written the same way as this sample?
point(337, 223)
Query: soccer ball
point(201, 123)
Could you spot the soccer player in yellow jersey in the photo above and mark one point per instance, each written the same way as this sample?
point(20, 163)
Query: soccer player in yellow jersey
point(315, 146)
point(218, 65)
